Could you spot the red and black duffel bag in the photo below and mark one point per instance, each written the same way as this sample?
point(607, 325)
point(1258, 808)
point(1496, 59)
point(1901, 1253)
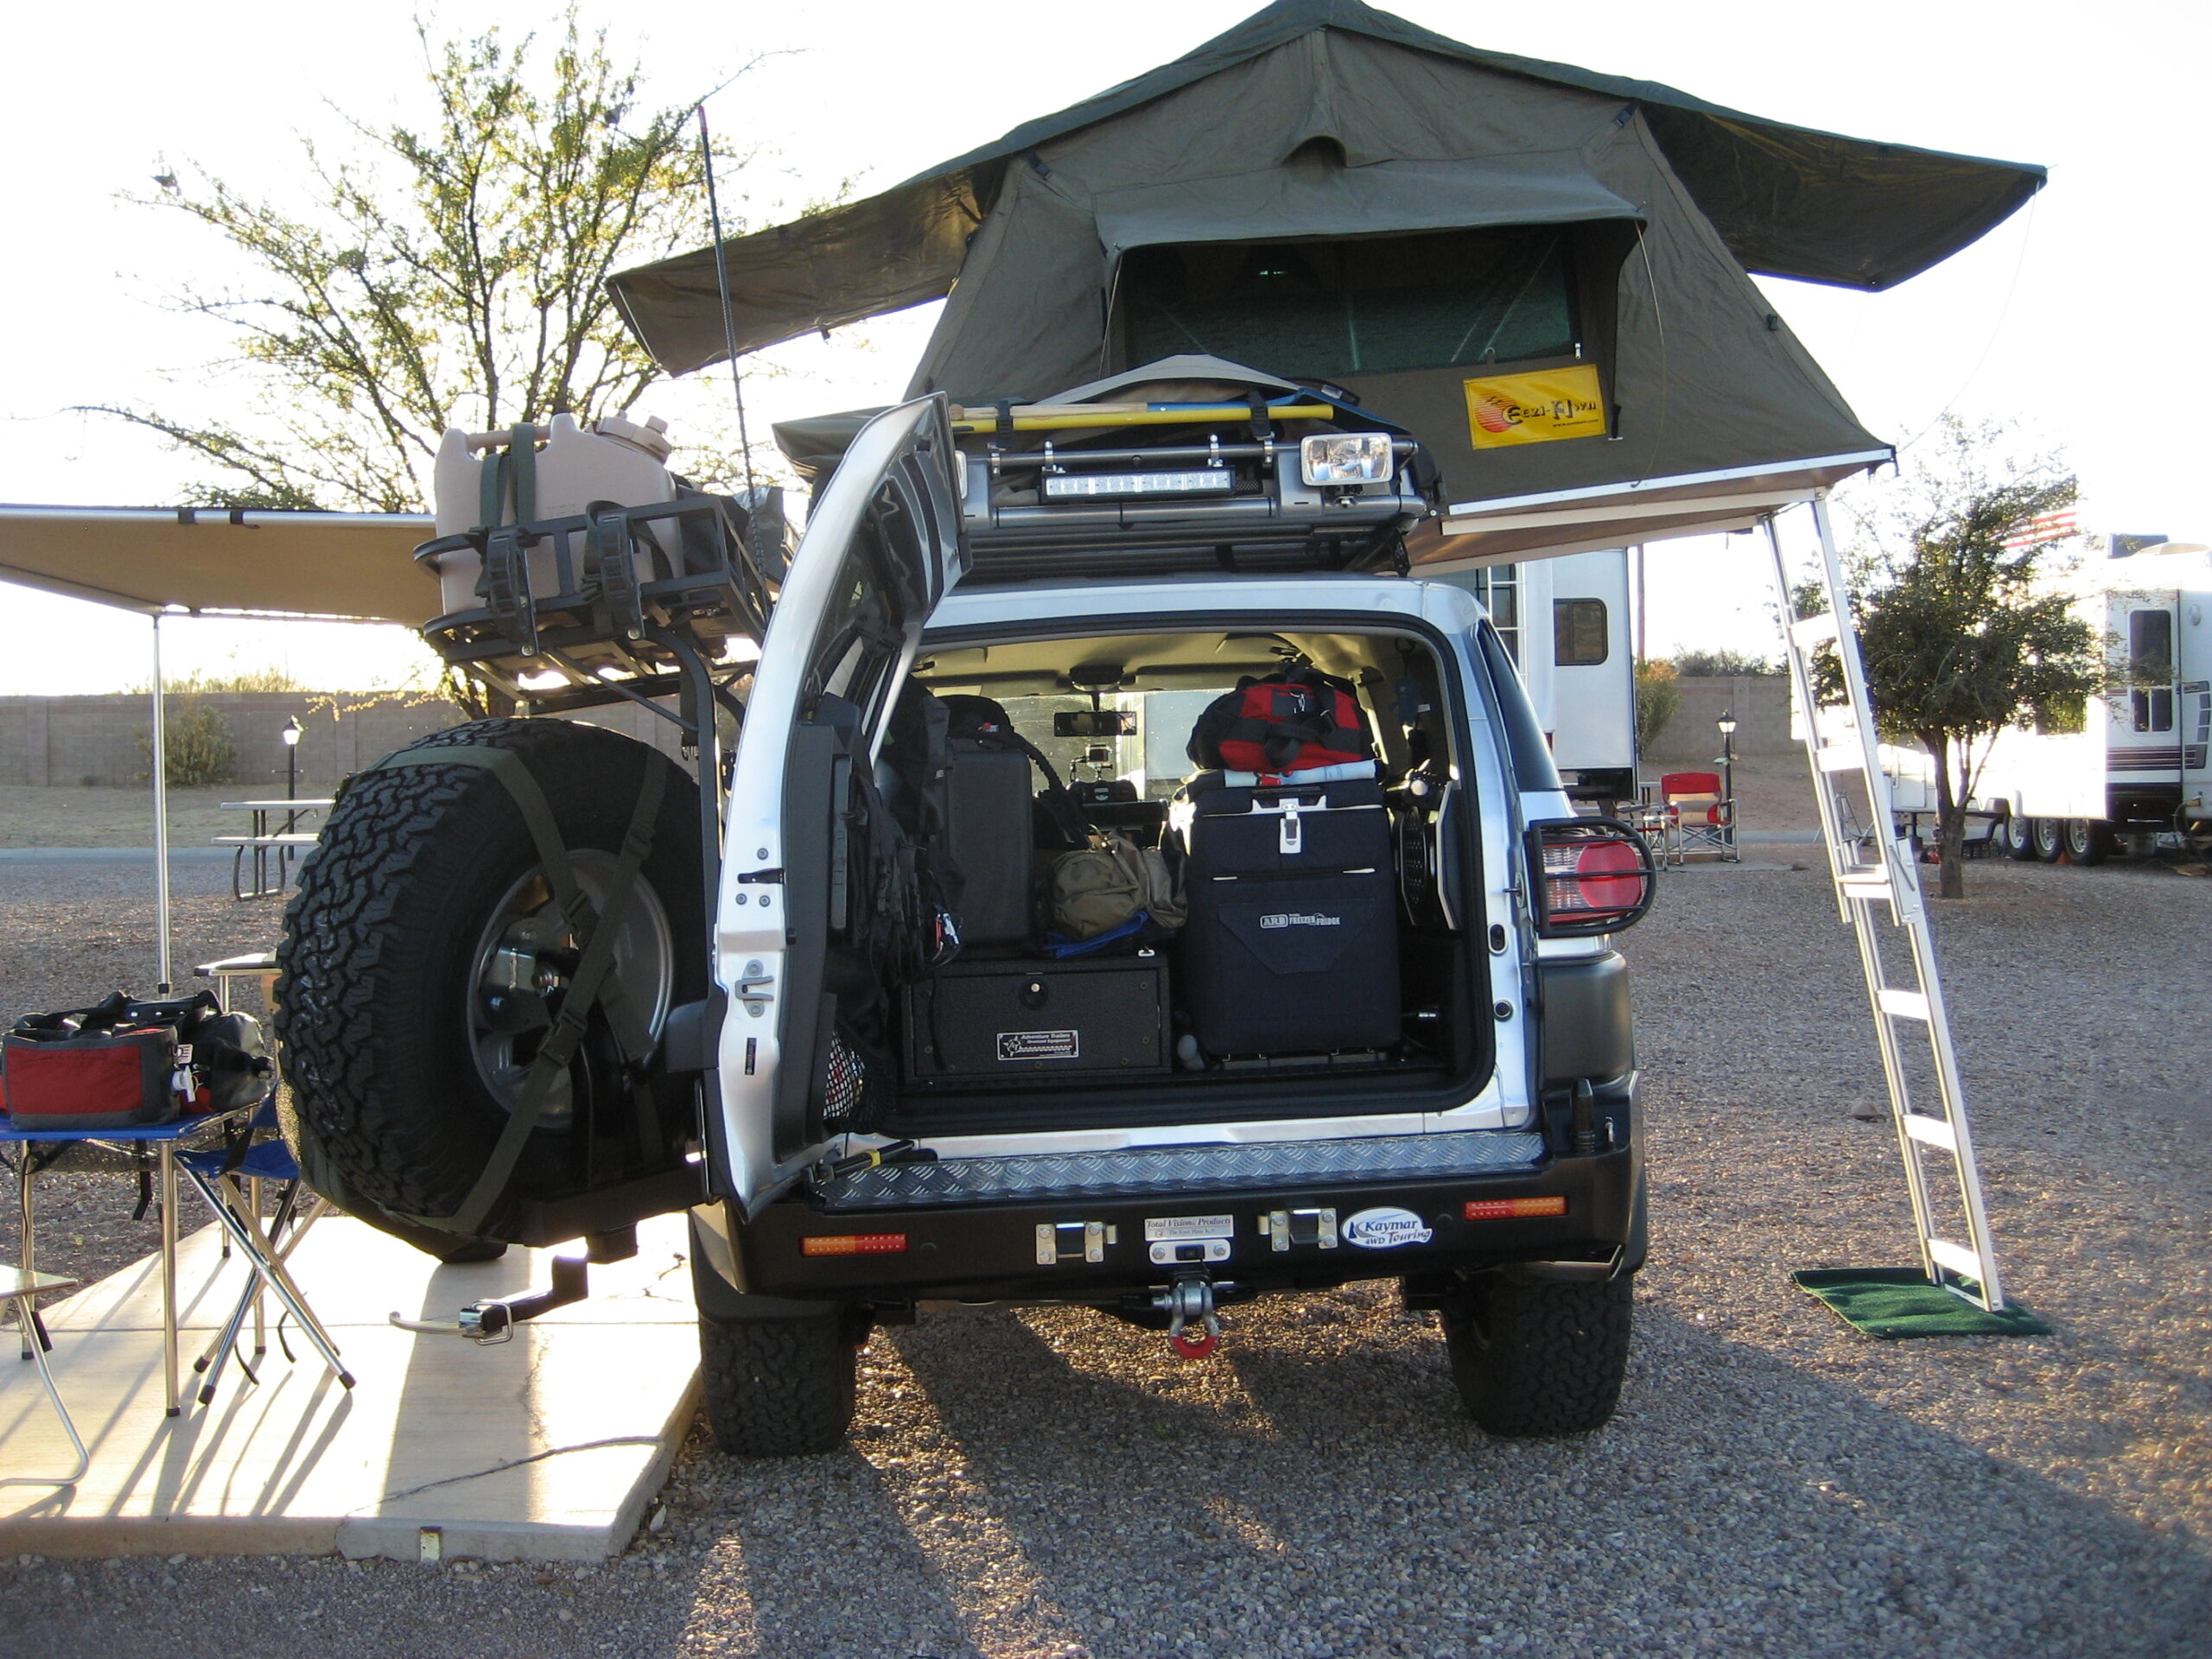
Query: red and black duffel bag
point(126, 1064)
point(1297, 721)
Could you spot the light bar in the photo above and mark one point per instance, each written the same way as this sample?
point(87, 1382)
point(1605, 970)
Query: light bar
point(1345, 458)
point(854, 1244)
point(1507, 1208)
point(1076, 486)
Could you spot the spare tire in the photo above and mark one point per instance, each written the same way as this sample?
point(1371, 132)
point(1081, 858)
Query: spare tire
point(423, 960)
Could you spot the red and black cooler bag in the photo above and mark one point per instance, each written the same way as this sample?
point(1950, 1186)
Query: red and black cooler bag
point(106, 1080)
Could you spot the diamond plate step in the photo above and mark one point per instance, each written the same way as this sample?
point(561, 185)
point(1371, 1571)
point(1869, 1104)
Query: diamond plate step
point(1184, 1169)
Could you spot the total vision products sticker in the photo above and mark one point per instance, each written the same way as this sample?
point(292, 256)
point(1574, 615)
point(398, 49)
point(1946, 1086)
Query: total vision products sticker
point(1039, 1045)
point(1157, 1227)
point(1386, 1230)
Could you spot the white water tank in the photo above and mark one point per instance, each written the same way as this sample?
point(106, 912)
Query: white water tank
point(614, 460)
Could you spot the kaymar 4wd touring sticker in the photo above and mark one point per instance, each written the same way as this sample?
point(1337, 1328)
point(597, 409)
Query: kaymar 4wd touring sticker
point(1386, 1230)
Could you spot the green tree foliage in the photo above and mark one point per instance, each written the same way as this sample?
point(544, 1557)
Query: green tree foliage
point(1960, 637)
point(1725, 663)
point(447, 274)
point(1658, 700)
point(197, 746)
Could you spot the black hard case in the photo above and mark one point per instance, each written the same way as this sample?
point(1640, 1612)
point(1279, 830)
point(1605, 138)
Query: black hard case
point(985, 1022)
point(989, 835)
point(1291, 944)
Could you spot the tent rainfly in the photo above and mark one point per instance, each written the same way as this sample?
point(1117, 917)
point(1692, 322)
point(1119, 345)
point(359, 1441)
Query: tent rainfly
point(161, 561)
point(1541, 271)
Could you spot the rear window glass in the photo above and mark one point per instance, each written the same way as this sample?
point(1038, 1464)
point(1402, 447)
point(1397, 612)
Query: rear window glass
point(1376, 305)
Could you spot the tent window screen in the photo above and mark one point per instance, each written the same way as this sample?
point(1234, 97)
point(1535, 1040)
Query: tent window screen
point(1375, 305)
point(1578, 632)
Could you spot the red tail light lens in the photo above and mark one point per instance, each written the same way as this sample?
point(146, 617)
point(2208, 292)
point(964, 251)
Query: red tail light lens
point(1594, 877)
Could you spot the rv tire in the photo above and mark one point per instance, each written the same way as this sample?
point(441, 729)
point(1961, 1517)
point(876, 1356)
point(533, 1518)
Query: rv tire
point(2049, 839)
point(2088, 840)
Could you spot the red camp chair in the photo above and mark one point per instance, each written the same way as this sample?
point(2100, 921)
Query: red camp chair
point(1700, 819)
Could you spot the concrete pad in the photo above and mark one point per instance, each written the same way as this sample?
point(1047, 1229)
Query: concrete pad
point(548, 1447)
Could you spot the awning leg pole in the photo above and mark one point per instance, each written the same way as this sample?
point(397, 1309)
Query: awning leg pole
point(160, 758)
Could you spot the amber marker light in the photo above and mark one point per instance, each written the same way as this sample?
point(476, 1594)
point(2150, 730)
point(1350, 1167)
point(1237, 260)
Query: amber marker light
point(854, 1244)
point(1507, 1208)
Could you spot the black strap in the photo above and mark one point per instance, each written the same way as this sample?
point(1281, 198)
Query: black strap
point(588, 985)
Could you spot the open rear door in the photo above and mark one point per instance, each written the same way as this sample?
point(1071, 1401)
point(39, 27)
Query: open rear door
point(882, 547)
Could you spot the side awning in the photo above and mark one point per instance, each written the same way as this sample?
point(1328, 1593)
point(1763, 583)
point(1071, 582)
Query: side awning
point(355, 567)
point(1471, 535)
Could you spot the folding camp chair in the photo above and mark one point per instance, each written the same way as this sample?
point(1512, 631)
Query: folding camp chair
point(18, 1287)
point(228, 1181)
point(1698, 818)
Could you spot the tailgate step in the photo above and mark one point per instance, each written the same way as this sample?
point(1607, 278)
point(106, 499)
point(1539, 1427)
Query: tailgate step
point(1184, 1169)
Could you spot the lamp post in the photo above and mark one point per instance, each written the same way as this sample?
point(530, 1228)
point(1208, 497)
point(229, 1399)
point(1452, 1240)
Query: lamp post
point(1726, 726)
point(292, 733)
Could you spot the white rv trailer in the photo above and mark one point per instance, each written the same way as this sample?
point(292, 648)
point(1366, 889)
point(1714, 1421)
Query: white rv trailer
point(2137, 769)
point(1566, 621)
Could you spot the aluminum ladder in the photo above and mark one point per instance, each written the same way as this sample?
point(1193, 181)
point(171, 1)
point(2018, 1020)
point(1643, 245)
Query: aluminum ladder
point(1871, 871)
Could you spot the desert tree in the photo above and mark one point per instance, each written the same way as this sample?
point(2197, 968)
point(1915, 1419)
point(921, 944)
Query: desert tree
point(449, 271)
point(1962, 634)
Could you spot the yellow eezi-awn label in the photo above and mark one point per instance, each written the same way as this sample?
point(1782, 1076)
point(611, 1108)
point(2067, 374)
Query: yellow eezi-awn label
point(1536, 407)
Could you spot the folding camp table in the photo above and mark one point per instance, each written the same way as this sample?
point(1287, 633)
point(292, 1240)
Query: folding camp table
point(164, 1138)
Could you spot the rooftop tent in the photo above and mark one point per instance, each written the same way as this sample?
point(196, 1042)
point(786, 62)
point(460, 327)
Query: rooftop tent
point(1786, 200)
point(1499, 253)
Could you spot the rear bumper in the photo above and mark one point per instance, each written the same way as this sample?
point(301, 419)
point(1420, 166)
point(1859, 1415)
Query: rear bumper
point(1101, 1250)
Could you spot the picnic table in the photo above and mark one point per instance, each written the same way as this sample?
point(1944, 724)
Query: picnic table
point(265, 846)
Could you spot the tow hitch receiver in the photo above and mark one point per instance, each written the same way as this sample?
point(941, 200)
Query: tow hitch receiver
point(485, 1322)
point(1187, 1301)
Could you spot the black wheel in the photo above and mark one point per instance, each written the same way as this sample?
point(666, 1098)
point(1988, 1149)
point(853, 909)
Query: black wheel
point(780, 1387)
point(2017, 836)
point(423, 960)
point(1532, 1356)
point(2088, 840)
point(2051, 839)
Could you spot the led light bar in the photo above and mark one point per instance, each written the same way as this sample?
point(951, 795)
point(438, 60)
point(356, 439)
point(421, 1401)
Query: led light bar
point(1345, 458)
point(1077, 486)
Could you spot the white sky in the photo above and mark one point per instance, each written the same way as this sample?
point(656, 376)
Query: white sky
point(2082, 317)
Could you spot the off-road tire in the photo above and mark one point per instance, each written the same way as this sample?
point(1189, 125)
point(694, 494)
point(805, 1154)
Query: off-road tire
point(778, 1388)
point(387, 1107)
point(2017, 834)
point(1534, 1357)
point(2088, 840)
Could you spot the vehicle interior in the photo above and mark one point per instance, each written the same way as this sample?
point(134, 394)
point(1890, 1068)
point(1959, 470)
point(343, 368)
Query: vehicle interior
point(1305, 947)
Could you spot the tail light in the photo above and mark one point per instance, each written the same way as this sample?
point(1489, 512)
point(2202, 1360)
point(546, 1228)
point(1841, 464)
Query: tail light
point(1593, 875)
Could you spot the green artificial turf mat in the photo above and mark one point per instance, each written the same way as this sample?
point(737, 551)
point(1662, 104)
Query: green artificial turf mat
point(1892, 1302)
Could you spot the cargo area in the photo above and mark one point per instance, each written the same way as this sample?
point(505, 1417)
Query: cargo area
point(1314, 957)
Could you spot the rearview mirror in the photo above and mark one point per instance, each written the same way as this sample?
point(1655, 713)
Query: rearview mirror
point(1095, 722)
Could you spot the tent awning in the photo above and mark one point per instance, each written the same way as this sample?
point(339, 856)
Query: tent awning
point(1512, 530)
point(346, 566)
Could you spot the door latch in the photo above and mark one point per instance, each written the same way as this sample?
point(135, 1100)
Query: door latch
point(751, 989)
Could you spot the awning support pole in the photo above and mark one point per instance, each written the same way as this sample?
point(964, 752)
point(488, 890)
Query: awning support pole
point(160, 758)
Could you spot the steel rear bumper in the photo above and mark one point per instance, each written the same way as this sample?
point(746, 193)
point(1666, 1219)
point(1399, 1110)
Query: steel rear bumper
point(967, 1247)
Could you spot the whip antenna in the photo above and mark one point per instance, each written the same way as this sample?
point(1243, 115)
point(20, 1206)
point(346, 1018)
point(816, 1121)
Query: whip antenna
point(730, 316)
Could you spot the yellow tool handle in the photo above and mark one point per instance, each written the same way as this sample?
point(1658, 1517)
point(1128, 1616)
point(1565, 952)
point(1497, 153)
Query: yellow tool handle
point(1060, 417)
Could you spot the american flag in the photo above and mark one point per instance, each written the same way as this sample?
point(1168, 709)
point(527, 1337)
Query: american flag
point(2045, 527)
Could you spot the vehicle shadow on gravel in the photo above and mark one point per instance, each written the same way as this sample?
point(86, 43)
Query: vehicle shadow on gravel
point(1056, 1484)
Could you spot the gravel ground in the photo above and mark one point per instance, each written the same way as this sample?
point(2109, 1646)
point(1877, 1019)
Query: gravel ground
point(1049, 1483)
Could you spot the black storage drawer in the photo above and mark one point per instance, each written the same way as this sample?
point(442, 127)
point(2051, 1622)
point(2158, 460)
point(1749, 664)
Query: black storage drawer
point(984, 1022)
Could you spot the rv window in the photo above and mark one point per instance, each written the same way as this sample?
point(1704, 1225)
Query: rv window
point(1578, 633)
point(2151, 644)
point(1371, 305)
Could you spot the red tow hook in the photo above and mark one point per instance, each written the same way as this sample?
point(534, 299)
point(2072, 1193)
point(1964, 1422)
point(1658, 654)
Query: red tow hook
point(1186, 1301)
